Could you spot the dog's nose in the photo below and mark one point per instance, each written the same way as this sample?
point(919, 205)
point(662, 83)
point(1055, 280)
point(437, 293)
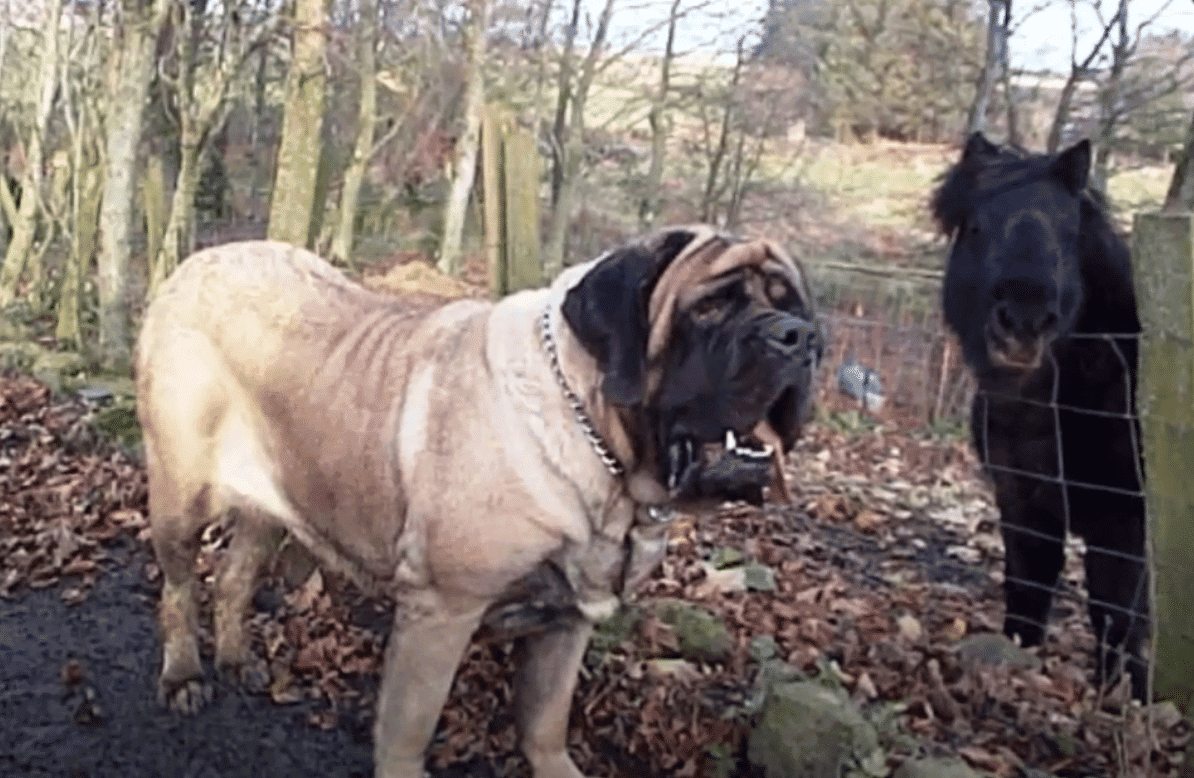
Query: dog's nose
point(791, 334)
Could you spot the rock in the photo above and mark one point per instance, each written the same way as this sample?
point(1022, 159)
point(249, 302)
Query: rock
point(680, 669)
point(762, 648)
point(935, 768)
point(118, 421)
point(726, 556)
point(700, 635)
point(995, 649)
point(118, 387)
point(52, 366)
point(20, 356)
point(808, 730)
point(909, 628)
point(725, 581)
point(758, 577)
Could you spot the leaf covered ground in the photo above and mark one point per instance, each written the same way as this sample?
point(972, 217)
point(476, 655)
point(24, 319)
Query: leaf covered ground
point(887, 561)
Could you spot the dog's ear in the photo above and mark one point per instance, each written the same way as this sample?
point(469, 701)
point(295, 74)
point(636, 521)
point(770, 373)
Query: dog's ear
point(607, 311)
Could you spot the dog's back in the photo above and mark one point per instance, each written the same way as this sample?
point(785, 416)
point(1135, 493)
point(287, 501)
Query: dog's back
point(264, 376)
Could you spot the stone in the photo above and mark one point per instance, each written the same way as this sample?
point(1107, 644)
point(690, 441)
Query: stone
point(702, 637)
point(809, 730)
point(996, 649)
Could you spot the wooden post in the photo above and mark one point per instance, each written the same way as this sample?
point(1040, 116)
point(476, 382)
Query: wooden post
point(524, 265)
point(491, 175)
point(1163, 253)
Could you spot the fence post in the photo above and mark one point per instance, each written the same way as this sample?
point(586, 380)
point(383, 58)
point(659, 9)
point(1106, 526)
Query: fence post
point(511, 177)
point(494, 208)
point(524, 257)
point(1163, 256)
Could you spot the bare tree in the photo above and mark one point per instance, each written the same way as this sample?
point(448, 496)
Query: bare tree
point(648, 211)
point(300, 155)
point(28, 216)
point(994, 65)
point(140, 23)
point(465, 166)
point(210, 54)
point(570, 150)
point(80, 93)
point(366, 125)
point(1078, 71)
point(1180, 196)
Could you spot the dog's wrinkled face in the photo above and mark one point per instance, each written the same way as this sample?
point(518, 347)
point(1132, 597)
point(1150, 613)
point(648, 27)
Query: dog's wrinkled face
point(713, 343)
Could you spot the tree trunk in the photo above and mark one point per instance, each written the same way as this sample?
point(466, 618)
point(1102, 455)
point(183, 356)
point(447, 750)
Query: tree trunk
point(24, 228)
point(466, 150)
point(87, 206)
point(153, 202)
point(178, 226)
point(293, 205)
point(649, 206)
point(559, 128)
point(1180, 196)
point(133, 70)
point(366, 122)
point(573, 150)
point(1062, 115)
point(977, 120)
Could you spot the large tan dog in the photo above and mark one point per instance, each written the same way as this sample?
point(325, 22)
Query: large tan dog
point(459, 456)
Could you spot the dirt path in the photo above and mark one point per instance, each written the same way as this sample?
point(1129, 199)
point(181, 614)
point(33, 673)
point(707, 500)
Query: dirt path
point(78, 698)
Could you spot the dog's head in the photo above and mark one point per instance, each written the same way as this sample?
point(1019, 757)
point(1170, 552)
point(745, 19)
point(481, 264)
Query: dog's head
point(710, 344)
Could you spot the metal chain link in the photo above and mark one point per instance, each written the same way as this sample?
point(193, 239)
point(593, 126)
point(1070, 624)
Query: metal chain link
point(578, 407)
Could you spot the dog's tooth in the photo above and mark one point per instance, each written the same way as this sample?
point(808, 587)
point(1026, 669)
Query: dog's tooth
point(731, 442)
point(767, 450)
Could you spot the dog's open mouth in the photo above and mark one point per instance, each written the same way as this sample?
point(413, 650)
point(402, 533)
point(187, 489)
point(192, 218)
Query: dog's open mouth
point(737, 467)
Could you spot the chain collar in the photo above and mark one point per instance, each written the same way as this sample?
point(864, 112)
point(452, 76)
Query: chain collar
point(578, 407)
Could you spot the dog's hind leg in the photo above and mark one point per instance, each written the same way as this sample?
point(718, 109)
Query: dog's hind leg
point(254, 539)
point(427, 643)
point(546, 680)
point(177, 514)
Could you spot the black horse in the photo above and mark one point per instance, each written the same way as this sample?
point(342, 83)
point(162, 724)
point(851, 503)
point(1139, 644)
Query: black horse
point(1038, 289)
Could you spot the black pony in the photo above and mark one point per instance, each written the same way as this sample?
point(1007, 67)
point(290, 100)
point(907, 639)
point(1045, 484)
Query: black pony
point(1038, 289)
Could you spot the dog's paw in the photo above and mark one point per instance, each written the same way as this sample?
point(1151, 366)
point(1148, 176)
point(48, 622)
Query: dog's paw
point(188, 697)
point(252, 675)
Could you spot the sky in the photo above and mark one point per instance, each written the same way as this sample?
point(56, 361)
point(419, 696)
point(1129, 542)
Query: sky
point(1041, 41)
point(1044, 39)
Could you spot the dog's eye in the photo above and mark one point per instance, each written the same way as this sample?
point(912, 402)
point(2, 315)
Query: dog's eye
point(715, 306)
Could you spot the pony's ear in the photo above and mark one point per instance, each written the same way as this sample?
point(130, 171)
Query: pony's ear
point(977, 145)
point(607, 311)
point(1072, 166)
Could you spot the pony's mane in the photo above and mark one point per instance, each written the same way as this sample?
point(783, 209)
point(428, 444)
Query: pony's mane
point(970, 181)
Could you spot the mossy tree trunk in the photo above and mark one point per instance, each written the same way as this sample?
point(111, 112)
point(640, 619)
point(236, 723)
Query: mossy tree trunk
point(132, 70)
point(293, 205)
point(366, 124)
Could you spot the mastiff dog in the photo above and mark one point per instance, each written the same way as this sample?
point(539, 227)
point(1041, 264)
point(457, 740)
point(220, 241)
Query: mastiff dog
point(472, 459)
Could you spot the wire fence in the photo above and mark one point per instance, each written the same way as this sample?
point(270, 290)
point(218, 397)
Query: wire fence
point(890, 324)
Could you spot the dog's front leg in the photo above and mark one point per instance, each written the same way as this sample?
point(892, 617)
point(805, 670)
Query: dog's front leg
point(429, 637)
point(546, 680)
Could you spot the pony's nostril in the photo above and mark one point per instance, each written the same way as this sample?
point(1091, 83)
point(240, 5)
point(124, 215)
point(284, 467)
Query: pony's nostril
point(1003, 319)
